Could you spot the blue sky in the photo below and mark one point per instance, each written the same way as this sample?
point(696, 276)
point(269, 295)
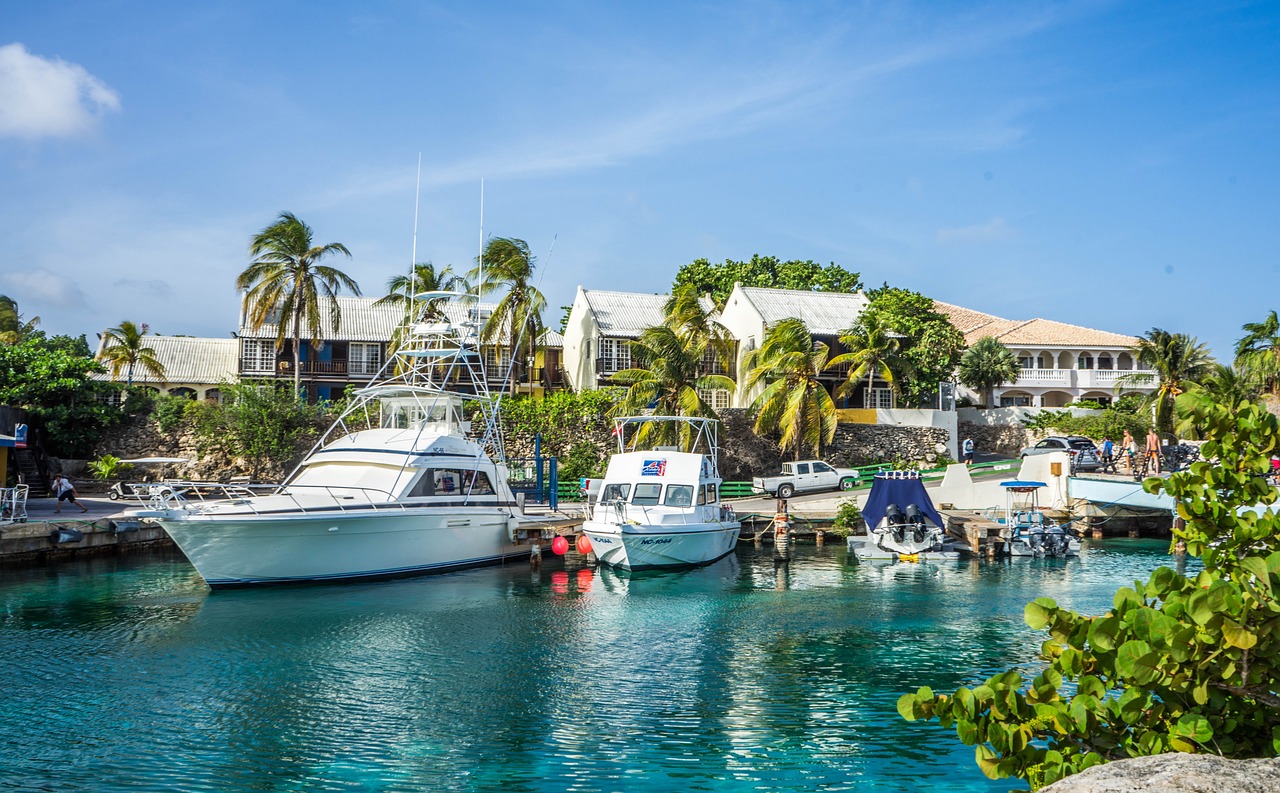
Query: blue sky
point(1106, 164)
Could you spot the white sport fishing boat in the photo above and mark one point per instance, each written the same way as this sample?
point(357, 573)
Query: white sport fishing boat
point(661, 507)
point(396, 487)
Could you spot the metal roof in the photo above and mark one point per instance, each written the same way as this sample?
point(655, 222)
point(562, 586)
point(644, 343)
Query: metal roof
point(361, 320)
point(188, 359)
point(825, 313)
point(625, 313)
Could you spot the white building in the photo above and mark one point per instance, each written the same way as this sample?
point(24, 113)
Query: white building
point(193, 367)
point(600, 326)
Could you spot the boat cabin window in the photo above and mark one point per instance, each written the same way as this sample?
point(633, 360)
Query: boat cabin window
point(452, 481)
point(646, 494)
point(802, 468)
point(679, 496)
point(615, 492)
point(702, 494)
point(709, 495)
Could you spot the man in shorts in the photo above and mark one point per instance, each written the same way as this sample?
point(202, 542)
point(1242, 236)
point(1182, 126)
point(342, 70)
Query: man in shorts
point(65, 491)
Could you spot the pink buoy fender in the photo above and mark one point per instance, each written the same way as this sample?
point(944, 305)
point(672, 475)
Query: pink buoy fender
point(559, 546)
point(584, 545)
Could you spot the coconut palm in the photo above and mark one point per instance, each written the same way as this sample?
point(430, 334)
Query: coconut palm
point(875, 350)
point(124, 348)
point(986, 366)
point(1175, 361)
point(667, 380)
point(424, 278)
point(1224, 386)
point(284, 282)
point(13, 326)
point(506, 263)
point(690, 314)
point(1258, 353)
point(793, 403)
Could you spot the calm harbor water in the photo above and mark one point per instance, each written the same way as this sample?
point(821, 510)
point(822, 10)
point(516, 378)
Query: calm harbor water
point(127, 674)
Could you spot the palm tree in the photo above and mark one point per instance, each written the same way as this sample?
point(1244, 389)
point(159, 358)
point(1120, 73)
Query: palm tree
point(424, 278)
point(13, 328)
point(689, 314)
point(1258, 353)
point(285, 280)
point(794, 403)
point(874, 351)
point(1224, 386)
point(668, 380)
point(1176, 360)
point(123, 348)
point(986, 366)
point(506, 263)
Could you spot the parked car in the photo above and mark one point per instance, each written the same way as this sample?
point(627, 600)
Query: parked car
point(805, 476)
point(1084, 455)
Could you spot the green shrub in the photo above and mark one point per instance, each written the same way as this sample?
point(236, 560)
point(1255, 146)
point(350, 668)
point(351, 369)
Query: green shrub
point(169, 411)
point(107, 467)
point(848, 519)
point(582, 460)
point(1109, 423)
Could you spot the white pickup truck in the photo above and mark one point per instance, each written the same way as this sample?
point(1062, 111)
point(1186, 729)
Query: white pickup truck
point(805, 476)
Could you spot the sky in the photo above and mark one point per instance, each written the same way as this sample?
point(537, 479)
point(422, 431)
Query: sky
point(1113, 165)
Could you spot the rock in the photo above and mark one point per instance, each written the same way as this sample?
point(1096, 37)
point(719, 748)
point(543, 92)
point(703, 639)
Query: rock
point(1175, 773)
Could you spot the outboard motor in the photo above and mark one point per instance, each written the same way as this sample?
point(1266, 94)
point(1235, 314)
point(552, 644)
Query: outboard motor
point(897, 523)
point(1035, 538)
point(916, 519)
point(1055, 541)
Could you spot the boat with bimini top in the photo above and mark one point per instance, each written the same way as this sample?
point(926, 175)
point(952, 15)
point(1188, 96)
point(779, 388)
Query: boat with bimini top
point(399, 485)
point(1029, 531)
point(902, 523)
point(660, 506)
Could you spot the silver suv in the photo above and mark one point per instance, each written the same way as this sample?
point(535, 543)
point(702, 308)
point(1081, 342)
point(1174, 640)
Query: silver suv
point(1084, 455)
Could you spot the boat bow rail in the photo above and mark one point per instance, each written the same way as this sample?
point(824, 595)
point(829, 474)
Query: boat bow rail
point(214, 497)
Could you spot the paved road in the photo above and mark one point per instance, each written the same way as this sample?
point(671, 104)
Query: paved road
point(42, 509)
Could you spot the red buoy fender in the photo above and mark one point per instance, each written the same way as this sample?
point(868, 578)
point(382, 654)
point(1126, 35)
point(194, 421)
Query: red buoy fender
point(559, 546)
point(584, 545)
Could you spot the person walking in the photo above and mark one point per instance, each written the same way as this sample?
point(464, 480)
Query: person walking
point(1130, 451)
point(65, 491)
point(1108, 454)
point(1153, 449)
point(967, 447)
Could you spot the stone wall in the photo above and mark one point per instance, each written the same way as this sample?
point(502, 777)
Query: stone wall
point(1007, 440)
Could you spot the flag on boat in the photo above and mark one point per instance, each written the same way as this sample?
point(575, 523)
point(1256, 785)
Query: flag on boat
point(654, 468)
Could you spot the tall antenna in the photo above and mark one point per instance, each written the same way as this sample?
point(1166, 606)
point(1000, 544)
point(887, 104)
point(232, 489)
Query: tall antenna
point(480, 259)
point(413, 256)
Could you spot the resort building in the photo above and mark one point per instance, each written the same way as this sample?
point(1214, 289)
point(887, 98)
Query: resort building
point(193, 367)
point(1061, 363)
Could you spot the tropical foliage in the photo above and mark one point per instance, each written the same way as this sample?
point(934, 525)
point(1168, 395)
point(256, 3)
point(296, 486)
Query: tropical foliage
point(874, 350)
point(794, 403)
point(14, 327)
point(1179, 664)
point(106, 467)
point(986, 366)
point(285, 280)
point(929, 345)
point(267, 424)
point(1258, 354)
point(717, 280)
point(507, 264)
point(424, 278)
point(1176, 360)
point(1223, 385)
point(1109, 423)
point(689, 315)
point(124, 348)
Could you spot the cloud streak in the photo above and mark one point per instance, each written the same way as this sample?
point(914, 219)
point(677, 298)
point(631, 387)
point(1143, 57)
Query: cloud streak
point(994, 229)
point(42, 97)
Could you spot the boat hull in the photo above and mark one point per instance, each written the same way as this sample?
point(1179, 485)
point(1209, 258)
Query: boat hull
point(639, 547)
point(255, 550)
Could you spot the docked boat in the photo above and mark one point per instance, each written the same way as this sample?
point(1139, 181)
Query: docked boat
point(902, 523)
point(399, 485)
point(1029, 531)
point(660, 506)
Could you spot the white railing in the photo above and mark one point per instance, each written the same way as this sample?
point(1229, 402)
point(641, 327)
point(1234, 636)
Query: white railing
point(1081, 378)
point(1045, 377)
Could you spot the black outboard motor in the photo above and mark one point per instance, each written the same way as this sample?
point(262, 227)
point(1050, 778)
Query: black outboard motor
point(917, 522)
point(897, 522)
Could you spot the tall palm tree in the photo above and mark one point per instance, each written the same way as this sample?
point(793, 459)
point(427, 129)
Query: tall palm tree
point(1176, 360)
point(506, 263)
point(285, 280)
point(794, 403)
point(1258, 353)
point(124, 348)
point(424, 278)
point(689, 314)
point(875, 350)
point(986, 366)
point(13, 326)
point(1224, 386)
point(668, 379)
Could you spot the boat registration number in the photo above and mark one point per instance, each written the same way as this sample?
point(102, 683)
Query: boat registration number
point(656, 542)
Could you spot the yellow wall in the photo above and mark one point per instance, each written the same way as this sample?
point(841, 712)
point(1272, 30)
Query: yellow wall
point(856, 415)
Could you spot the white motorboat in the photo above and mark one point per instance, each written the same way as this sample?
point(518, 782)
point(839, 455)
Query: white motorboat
point(1029, 532)
point(902, 523)
point(396, 487)
point(661, 507)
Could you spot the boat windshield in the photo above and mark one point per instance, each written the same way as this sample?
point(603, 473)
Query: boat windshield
point(616, 492)
point(679, 496)
point(646, 494)
point(376, 480)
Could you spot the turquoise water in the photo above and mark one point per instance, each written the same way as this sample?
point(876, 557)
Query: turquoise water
point(126, 673)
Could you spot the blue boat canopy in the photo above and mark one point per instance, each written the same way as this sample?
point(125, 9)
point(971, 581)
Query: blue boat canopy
point(901, 492)
point(1022, 484)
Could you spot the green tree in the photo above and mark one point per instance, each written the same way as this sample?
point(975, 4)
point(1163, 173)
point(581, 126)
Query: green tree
point(1224, 386)
point(125, 348)
point(1258, 353)
point(52, 379)
point(424, 278)
point(507, 264)
point(874, 351)
point(689, 315)
point(928, 343)
point(263, 423)
point(1180, 663)
point(1176, 360)
point(284, 282)
point(986, 366)
point(794, 403)
point(13, 326)
point(717, 280)
point(668, 379)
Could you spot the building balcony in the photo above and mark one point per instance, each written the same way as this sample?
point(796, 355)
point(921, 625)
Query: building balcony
point(1083, 379)
point(340, 369)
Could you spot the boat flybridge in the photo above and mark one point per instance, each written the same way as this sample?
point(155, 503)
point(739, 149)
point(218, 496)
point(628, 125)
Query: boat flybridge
point(659, 503)
point(399, 485)
point(902, 523)
point(1029, 531)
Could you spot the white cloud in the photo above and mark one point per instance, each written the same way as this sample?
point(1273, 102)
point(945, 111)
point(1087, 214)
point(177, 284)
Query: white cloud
point(993, 229)
point(44, 287)
point(40, 97)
